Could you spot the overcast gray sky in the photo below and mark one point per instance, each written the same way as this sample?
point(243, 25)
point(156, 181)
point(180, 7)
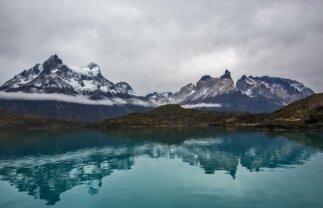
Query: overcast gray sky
point(161, 45)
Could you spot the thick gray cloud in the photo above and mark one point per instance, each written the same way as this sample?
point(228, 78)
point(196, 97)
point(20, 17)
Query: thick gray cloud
point(161, 45)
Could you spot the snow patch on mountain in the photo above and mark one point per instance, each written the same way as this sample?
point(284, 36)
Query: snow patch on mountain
point(160, 98)
point(91, 69)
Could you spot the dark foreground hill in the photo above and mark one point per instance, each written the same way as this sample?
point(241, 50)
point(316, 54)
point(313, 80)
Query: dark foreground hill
point(18, 121)
point(174, 115)
point(68, 111)
point(305, 113)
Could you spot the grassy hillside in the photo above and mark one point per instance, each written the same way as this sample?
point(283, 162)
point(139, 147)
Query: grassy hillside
point(305, 112)
point(174, 115)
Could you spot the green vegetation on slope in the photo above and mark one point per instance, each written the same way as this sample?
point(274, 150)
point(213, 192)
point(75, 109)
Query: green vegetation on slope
point(174, 115)
point(305, 113)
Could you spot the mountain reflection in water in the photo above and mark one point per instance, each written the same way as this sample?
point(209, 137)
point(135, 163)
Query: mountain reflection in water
point(45, 164)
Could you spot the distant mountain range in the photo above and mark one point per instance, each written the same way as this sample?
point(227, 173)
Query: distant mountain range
point(252, 94)
point(55, 89)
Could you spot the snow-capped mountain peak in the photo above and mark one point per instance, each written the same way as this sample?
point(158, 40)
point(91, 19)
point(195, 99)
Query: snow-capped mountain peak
point(204, 89)
point(209, 86)
point(283, 91)
point(55, 77)
point(52, 62)
point(253, 94)
point(160, 98)
point(124, 88)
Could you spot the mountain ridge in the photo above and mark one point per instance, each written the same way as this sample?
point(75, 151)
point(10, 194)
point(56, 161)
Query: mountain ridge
point(270, 92)
point(53, 78)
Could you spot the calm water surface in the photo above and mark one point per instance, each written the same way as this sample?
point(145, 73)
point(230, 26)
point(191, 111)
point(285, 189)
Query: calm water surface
point(180, 167)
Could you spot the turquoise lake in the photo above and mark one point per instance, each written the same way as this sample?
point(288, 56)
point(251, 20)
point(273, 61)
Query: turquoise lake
point(166, 167)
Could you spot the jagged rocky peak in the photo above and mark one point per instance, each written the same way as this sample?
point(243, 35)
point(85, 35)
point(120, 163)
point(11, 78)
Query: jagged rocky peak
point(124, 88)
point(214, 86)
point(204, 89)
point(54, 65)
point(205, 78)
point(160, 98)
point(52, 62)
point(55, 77)
point(226, 75)
point(92, 65)
point(243, 77)
point(281, 90)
